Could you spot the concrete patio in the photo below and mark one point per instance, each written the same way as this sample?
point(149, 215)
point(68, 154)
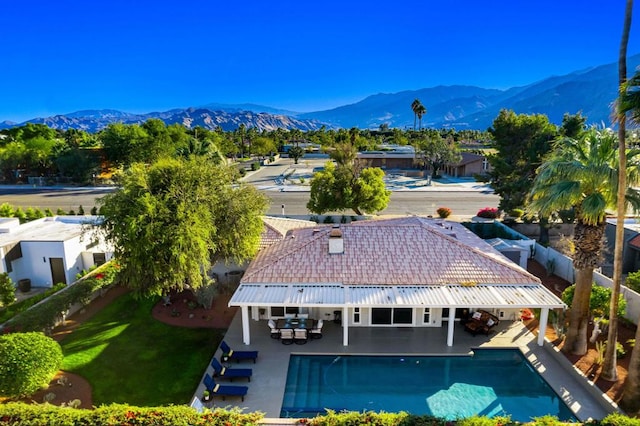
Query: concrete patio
point(267, 385)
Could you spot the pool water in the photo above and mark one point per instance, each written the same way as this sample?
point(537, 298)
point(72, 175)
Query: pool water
point(490, 382)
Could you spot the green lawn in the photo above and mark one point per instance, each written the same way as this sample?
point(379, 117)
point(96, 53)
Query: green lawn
point(128, 357)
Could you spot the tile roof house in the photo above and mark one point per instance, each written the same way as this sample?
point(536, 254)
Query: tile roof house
point(409, 272)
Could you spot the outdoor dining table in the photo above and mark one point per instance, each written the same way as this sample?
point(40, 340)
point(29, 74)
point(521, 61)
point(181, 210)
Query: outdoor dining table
point(292, 323)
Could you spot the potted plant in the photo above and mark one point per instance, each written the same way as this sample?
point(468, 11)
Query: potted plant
point(206, 396)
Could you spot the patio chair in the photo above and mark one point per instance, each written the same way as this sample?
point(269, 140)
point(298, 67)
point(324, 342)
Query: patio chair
point(275, 332)
point(230, 373)
point(286, 336)
point(230, 354)
point(316, 333)
point(300, 336)
point(223, 390)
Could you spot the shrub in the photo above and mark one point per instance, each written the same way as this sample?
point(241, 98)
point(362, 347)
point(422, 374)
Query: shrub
point(328, 219)
point(443, 212)
point(617, 419)
point(28, 362)
point(94, 210)
point(633, 281)
point(517, 213)
point(48, 212)
point(81, 210)
point(25, 304)
point(122, 414)
point(20, 214)
point(489, 213)
point(7, 290)
point(255, 166)
point(61, 212)
point(6, 210)
point(242, 171)
point(598, 302)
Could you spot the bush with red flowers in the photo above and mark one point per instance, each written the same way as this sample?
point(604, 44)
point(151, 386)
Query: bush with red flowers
point(489, 213)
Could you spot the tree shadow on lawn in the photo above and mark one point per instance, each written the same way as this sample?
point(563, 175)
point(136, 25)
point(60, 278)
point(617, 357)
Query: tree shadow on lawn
point(129, 357)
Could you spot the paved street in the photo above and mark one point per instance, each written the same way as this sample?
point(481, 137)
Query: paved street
point(409, 196)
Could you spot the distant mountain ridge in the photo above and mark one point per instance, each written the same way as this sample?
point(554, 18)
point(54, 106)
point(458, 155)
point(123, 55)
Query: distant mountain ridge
point(590, 91)
point(96, 120)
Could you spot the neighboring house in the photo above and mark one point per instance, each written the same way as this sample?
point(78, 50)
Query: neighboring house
point(404, 158)
point(469, 165)
point(407, 272)
point(392, 158)
point(50, 250)
point(630, 249)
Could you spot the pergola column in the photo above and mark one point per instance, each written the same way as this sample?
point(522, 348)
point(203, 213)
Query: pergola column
point(345, 327)
point(246, 334)
point(542, 328)
point(451, 325)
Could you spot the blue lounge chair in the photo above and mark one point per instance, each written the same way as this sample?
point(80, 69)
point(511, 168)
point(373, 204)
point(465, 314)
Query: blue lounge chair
point(223, 390)
point(229, 373)
point(230, 354)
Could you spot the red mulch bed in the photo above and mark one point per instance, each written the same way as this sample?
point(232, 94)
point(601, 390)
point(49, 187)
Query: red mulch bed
point(76, 387)
point(586, 363)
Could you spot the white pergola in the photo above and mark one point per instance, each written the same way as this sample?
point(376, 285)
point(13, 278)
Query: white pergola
point(343, 297)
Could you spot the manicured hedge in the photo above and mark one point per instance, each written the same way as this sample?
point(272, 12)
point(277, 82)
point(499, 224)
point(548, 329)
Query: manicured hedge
point(119, 414)
point(16, 308)
point(44, 316)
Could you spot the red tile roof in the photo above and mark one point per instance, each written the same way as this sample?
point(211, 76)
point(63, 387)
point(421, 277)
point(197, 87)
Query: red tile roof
point(402, 251)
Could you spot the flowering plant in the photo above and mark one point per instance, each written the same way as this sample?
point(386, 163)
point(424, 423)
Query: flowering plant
point(489, 213)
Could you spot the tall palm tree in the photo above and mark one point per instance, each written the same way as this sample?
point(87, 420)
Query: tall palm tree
point(609, 369)
point(583, 174)
point(414, 107)
point(420, 111)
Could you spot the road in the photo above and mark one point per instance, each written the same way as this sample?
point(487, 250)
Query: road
point(462, 200)
point(419, 202)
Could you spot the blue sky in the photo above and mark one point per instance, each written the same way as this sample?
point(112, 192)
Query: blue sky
point(139, 56)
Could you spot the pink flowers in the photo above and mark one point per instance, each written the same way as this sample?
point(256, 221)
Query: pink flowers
point(489, 213)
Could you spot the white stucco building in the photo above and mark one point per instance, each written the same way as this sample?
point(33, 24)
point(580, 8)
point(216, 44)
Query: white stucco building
point(52, 249)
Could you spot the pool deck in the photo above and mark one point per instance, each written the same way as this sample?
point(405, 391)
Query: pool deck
point(267, 385)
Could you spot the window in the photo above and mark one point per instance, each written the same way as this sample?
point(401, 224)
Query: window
point(426, 316)
point(390, 316)
point(277, 311)
point(356, 315)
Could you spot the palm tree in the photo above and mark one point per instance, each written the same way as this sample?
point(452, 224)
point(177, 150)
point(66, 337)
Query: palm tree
point(414, 107)
point(609, 369)
point(420, 111)
point(583, 174)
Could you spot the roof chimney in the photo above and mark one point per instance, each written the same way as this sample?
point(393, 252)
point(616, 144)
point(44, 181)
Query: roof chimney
point(336, 243)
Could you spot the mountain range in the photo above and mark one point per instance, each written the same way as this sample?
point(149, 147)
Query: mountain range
point(590, 91)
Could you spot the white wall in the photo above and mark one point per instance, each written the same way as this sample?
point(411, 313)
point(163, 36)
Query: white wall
point(34, 263)
point(563, 267)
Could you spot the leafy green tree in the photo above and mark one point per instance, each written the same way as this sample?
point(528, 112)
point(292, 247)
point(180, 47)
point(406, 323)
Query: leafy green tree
point(521, 142)
point(573, 125)
point(583, 174)
point(337, 188)
point(434, 152)
point(28, 362)
point(296, 153)
point(263, 146)
point(172, 220)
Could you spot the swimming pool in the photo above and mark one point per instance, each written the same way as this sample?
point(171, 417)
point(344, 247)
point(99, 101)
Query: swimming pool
point(490, 382)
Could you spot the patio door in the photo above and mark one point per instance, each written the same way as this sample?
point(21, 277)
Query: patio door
point(391, 316)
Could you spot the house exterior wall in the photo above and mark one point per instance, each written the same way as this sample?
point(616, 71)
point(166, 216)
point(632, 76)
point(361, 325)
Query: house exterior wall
point(34, 263)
